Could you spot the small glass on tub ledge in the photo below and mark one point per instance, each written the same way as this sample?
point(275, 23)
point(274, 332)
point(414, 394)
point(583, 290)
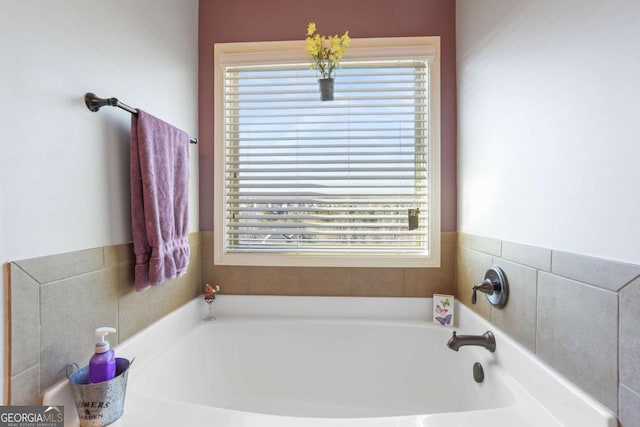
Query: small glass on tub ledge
point(210, 295)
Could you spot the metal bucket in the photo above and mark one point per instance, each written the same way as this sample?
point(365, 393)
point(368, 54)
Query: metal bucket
point(99, 404)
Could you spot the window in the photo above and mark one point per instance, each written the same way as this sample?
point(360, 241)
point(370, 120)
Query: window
point(349, 182)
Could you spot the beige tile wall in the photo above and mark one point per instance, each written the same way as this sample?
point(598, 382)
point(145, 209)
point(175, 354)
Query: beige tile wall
point(577, 313)
point(57, 301)
point(323, 281)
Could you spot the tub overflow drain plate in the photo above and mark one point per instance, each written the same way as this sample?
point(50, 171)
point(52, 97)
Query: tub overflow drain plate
point(478, 372)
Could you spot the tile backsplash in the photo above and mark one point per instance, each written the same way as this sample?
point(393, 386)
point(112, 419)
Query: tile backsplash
point(342, 281)
point(57, 301)
point(579, 314)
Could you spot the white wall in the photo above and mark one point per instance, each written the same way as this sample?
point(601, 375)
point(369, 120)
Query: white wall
point(63, 169)
point(549, 112)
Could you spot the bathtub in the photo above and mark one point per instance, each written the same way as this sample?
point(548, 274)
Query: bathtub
point(348, 362)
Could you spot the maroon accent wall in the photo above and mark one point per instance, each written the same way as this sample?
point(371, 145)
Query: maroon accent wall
point(273, 20)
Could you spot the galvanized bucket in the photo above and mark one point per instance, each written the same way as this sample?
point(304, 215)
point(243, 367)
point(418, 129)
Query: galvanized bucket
point(99, 404)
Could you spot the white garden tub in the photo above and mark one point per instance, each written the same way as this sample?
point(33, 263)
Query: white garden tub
point(348, 362)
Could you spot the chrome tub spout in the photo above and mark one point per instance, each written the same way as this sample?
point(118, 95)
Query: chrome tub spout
point(486, 340)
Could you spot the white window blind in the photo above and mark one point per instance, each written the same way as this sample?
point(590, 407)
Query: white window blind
point(348, 177)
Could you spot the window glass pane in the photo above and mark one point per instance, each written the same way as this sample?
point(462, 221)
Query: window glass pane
point(340, 176)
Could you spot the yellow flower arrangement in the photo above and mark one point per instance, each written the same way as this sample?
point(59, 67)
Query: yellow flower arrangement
point(326, 51)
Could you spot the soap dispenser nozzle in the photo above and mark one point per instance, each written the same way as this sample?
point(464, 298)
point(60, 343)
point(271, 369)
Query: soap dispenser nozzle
point(103, 345)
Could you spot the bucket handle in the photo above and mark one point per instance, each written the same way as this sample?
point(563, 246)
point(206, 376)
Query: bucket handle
point(71, 369)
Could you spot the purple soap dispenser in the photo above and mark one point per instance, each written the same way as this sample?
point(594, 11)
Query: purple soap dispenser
point(102, 366)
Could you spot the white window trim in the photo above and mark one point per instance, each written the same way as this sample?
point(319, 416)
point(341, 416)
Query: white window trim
point(252, 53)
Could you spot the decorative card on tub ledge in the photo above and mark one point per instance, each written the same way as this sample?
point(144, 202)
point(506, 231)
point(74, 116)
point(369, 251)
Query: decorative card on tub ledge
point(443, 309)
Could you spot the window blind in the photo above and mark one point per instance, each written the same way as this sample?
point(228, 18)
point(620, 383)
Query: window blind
point(342, 177)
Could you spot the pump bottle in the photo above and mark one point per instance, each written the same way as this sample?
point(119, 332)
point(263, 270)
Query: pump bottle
point(102, 366)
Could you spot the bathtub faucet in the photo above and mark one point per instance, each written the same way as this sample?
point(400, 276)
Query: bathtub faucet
point(486, 340)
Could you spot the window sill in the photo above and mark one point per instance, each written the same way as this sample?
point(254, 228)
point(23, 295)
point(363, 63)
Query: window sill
point(330, 260)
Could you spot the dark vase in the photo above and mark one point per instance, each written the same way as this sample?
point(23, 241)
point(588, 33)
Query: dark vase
point(326, 89)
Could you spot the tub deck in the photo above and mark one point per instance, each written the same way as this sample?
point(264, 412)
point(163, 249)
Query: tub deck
point(281, 361)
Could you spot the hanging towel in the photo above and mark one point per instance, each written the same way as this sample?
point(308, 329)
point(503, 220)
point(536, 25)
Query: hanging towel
point(159, 200)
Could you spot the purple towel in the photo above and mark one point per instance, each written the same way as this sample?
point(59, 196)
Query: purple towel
point(159, 200)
